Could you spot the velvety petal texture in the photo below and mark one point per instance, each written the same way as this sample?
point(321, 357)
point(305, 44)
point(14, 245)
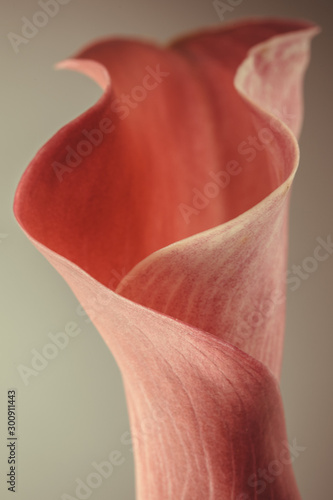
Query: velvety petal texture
point(165, 208)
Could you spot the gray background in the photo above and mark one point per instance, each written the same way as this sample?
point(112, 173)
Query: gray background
point(73, 413)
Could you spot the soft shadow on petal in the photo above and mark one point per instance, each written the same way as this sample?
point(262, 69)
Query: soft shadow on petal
point(230, 280)
point(121, 202)
point(205, 417)
point(196, 372)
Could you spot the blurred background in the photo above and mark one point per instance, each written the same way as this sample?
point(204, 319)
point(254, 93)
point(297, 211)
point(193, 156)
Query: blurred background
point(73, 412)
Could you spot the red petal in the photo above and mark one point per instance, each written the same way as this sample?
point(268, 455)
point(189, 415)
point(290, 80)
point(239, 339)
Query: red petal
point(122, 201)
point(221, 419)
point(206, 419)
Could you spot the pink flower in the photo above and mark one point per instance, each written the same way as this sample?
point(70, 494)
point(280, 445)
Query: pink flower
point(165, 208)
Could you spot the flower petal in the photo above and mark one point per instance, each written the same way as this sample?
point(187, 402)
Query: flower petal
point(122, 200)
point(214, 410)
point(206, 419)
point(230, 280)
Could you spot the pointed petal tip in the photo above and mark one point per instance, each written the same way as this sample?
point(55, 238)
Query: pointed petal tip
point(93, 69)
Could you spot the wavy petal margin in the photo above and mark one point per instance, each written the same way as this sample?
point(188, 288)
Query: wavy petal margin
point(173, 191)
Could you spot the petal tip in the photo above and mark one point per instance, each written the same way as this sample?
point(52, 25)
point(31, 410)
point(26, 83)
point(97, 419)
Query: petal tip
point(94, 70)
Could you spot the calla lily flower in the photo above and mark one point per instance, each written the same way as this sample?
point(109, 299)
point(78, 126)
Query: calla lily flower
point(165, 209)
